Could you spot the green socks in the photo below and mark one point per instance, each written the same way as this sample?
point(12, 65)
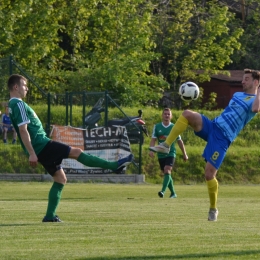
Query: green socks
point(54, 199)
point(170, 185)
point(94, 161)
point(166, 180)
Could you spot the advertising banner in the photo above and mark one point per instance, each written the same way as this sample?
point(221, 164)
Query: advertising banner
point(109, 143)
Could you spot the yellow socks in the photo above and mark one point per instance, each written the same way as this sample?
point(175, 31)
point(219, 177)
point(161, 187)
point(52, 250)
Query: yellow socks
point(213, 192)
point(179, 127)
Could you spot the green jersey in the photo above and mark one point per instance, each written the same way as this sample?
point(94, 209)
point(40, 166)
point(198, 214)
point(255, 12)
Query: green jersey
point(160, 131)
point(20, 114)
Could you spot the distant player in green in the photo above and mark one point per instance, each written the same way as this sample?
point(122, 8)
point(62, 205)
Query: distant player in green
point(166, 161)
point(41, 149)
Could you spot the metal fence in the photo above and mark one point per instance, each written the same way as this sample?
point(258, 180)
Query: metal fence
point(69, 108)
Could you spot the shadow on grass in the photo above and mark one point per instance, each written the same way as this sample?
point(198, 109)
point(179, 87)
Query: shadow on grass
point(184, 256)
point(18, 225)
point(33, 199)
point(38, 224)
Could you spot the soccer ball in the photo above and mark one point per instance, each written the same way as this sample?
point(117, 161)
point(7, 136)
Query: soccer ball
point(189, 91)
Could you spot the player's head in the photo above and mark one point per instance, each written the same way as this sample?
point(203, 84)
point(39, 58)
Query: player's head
point(251, 76)
point(255, 73)
point(14, 80)
point(167, 114)
point(17, 86)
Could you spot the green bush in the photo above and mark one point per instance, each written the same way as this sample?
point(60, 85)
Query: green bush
point(240, 165)
point(14, 160)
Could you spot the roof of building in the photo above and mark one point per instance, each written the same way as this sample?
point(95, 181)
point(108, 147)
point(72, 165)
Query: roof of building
point(235, 76)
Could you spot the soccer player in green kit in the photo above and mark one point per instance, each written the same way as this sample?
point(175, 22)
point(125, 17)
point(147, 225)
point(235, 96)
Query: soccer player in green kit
point(41, 149)
point(166, 161)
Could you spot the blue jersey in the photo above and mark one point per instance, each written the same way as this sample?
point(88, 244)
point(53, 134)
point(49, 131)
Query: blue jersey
point(6, 120)
point(236, 115)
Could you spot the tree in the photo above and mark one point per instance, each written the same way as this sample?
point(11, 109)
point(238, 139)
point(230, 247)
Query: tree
point(117, 52)
point(133, 48)
point(29, 32)
point(248, 55)
point(193, 36)
point(98, 46)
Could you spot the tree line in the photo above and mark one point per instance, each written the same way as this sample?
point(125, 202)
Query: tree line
point(136, 49)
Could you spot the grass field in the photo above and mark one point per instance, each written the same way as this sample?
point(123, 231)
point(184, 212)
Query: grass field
point(116, 221)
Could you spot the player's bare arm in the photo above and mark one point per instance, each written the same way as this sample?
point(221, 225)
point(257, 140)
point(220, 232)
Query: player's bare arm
point(256, 104)
point(152, 143)
point(182, 147)
point(33, 159)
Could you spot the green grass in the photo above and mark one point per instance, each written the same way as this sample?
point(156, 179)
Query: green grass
point(115, 221)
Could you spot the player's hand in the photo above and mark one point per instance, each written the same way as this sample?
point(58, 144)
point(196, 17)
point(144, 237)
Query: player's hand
point(151, 154)
point(185, 157)
point(33, 160)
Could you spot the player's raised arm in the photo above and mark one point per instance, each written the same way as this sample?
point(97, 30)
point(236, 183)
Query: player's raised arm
point(256, 104)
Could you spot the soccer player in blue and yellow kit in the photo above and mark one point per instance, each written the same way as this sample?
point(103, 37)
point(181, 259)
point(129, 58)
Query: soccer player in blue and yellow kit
point(49, 153)
point(166, 161)
point(220, 132)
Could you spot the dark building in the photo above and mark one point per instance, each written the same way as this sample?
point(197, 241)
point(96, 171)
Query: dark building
point(225, 86)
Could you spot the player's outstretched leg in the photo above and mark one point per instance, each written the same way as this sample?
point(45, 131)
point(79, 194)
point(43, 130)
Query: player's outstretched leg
point(179, 127)
point(122, 163)
point(94, 161)
point(160, 148)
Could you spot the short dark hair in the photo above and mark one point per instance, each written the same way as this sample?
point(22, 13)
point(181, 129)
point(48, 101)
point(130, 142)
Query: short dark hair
point(255, 73)
point(167, 109)
point(14, 79)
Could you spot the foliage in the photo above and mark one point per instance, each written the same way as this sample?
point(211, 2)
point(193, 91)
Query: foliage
point(211, 101)
point(14, 160)
point(247, 55)
point(134, 49)
point(240, 164)
point(192, 37)
point(151, 116)
point(97, 48)
point(29, 32)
